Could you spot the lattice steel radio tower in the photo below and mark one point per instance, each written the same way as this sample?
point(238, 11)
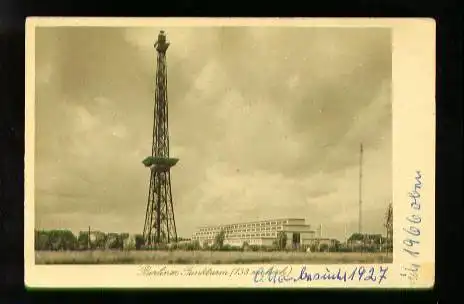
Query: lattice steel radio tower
point(160, 225)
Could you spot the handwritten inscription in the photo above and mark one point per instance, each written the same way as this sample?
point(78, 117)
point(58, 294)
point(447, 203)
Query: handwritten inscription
point(361, 273)
point(411, 242)
point(274, 274)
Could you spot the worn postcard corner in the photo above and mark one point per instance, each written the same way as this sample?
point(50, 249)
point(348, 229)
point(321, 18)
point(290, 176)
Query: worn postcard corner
point(283, 153)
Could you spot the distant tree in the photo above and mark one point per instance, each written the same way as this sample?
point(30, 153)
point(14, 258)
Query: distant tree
point(139, 241)
point(281, 240)
point(196, 245)
point(389, 221)
point(113, 241)
point(61, 240)
point(55, 240)
point(183, 246)
point(98, 240)
point(69, 239)
point(324, 248)
point(375, 239)
point(389, 224)
point(42, 240)
point(129, 243)
point(356, 237)
point(344, 248)
point(336, 246)
point(219, 239)
point(83, 239)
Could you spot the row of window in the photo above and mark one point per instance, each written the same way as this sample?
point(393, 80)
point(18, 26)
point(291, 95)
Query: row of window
point(240, 242)
point(244, 226)
point(246, 235)
point(264, 229)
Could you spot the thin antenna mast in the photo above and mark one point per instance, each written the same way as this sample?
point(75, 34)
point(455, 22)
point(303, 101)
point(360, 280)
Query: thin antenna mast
point(360, 187)
point(345, 237)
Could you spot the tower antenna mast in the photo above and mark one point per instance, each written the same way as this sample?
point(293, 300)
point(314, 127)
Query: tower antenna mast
point(360, 186)
point(160, 225)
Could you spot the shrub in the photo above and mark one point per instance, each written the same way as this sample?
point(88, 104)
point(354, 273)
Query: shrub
point(281, 240)
point(219, 239)
point(55, 240)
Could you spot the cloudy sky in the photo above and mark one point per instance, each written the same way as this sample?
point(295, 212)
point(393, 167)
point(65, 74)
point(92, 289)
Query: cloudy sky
point(266, 122)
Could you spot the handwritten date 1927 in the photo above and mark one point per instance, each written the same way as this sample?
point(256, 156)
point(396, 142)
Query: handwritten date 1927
point(359, 273)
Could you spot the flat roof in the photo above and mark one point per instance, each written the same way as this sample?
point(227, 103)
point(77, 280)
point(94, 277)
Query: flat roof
point(252, 222)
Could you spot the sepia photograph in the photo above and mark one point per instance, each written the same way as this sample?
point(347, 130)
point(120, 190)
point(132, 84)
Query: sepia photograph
point(213, 144)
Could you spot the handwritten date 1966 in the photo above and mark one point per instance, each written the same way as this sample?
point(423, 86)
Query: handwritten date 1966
point(412, 228)
point(411, 241)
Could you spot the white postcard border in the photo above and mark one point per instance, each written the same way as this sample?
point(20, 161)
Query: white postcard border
point(413, 156)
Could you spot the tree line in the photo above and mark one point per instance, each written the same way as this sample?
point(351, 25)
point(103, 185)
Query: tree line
point(58, 240)
point(61, 240)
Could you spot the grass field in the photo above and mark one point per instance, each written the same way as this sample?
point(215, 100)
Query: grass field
point(206, 257)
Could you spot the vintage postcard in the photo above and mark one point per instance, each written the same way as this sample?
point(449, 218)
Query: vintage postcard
point(231, 153)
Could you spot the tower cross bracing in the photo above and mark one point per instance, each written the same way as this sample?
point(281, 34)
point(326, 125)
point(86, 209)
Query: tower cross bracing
point(160, 225)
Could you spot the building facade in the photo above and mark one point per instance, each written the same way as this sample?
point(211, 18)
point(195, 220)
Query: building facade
point(259, 233)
